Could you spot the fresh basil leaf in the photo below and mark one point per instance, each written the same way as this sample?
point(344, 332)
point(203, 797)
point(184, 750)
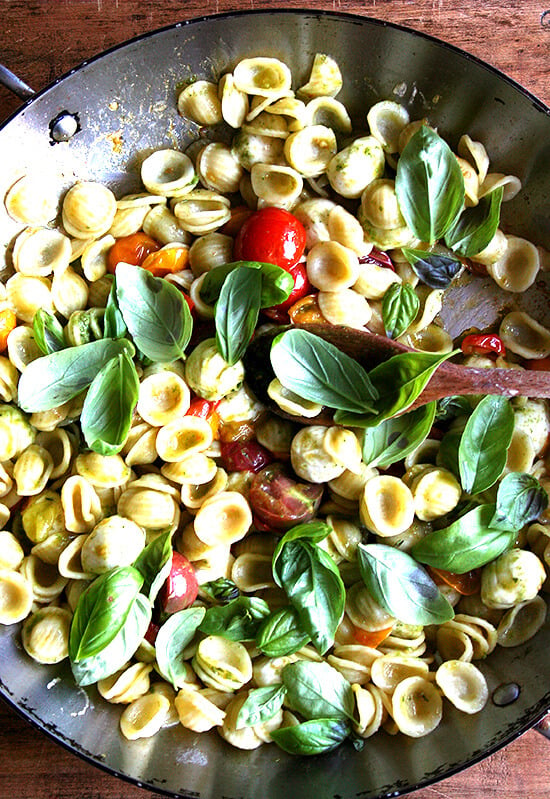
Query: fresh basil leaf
point(436, 271)
point(520, 500)
point(429, 185)
point(155, 313)
point(154, 563)
point(317, 690)
point(277, 283)
point(476, 226)
point(119, 651)
point(220, 591)
point(279, 634)
point(109, 405)
point(114, 325)
point(239, 620)
point(484, 444)
point(466, 544)
point(48, 332)
point(317, 371)
point(399, 308)
point(447, 455)
point(173, 637)
point(54, 379)
point(393, 439)
point(397, 582)
point(449, 408)
point(237, 311)
point(313, 585)
point(260, 705)
point(311, 737)
point(101, 611)
point(313, 531)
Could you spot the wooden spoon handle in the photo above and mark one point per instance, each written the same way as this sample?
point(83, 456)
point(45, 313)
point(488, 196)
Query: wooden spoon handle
point(451, 379)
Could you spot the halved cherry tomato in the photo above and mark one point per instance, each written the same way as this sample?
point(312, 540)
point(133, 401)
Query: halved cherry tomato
point(271, 235)
point(483, 344)
point(371, 638)
point(132, 249)
point(306, 311)
point(166, 261)
point(379, 258)
point(302, 287)
point(239, 215)
point(466, 584)
point(8, 322)
point(539, 364)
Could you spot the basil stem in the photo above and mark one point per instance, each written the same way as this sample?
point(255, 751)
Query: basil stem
point(399, 308)
point(237, 311)
point(429, 185)
point(484, 444)
point(476, 226)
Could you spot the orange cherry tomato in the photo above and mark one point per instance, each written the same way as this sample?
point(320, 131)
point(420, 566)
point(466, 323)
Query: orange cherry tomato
point(371, 638)
point(8, 322)
point(167, 261)
point(132, 249)
point(539, 364)
point(306, 311)
point(466, 584)
point(239, 215)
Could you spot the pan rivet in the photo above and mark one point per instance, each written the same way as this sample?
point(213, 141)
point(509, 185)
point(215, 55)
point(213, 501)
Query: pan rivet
point(506, 693)
point(64, 126)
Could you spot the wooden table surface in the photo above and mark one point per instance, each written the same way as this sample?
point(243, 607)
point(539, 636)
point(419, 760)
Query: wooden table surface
point(43, 39)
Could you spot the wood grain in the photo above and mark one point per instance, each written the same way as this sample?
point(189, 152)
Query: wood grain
point(43, 39)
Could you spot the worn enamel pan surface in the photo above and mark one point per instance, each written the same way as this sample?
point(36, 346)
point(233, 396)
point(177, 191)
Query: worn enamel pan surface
point(124, 106)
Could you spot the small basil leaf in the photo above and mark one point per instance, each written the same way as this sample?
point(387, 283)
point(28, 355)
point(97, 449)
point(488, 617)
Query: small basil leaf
point(399, 308)
point(154, 563)
point(57, 378)
point(280, 634)
point(155, 312)
point(393, 439)
point(239, 620)
point(520, 500)
point(277, 283)
point(476, 226)
point(317, 690)
point(114, 325)
point(260, 705)
point(173, 637)
point(314, 531)
point(237, 311)
point(317, 371)
point(436, 271)
point(484, 444)
point(466, 544)
point(311, 737)
point(48, 332)
point(109, 406)
point(396, 581)
point(220, 591)
point(101, 611)
point(119, 651)
point(429, 185)
point(449, 408)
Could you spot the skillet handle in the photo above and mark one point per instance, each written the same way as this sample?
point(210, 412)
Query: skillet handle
point(544, 726)
point(10, 80)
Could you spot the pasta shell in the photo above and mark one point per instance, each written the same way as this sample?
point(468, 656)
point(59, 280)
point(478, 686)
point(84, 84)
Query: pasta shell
point(222, 664)
point(16, 597)
point(69, 292)
point(81, 505)
point(310, 150)
point(168, 172)
point(127, 684)
point(31, 201)
point(11, 551)
point(199, 102)
point(45, 635)
point(387, 505)
point(234, 102)
point(463, 684)
point(218, 169)
point(195, 711)
point(524, 336)
point(332, 267)
point(182, 438)
point(522, 622)
point(163, 397)
point(386, 121)
point(345, 307)
point(223, 518)
point(27, 294)
point(518, 267)
point(9, 378)
point(153, 510)
point(325, 78)
point(276, 185)
point(161, 224)
point(267, 77)
point(88, 210)
point(45, 581)
point(202, 211)
point(253, 148)
point(193, 495)
point(38, 251)
point(32, 470)
point(145, 716)
point(416, 707)
point(209, 251)
point(310, 459)
point(114, 541)
point(94, 255)
point(102, 471)
point(252, 572)
point(329, 112)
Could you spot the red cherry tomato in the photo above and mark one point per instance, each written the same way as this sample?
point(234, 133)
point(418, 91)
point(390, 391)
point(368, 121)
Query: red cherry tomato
point(181, 587)
point(484, 344)
point(132, 249)
point(244, 456)
point(273, 236)
point(152, 632)
point(466, 584)
point(302, 286)
point(279, 502)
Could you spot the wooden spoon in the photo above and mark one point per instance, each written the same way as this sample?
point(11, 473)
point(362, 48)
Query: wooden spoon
point(370, 349)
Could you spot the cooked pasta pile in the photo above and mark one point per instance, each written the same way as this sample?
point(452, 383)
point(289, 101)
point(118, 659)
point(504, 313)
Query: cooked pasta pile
point(338, 579)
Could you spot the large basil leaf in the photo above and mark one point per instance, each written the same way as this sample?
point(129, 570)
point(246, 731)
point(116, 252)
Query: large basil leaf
point(57, 378)
point(238, 620)
point(101, 611)
point(396, 581)
point(466, 544)
point(520, 500)
point(317, 690)
point(484, 444)
point(260, 705)
point(237, 311)
point(393, 439)
point(311, 737)
point(277, 283)
point(313, 585)
point(114, 325)
point(476, 226)
point(119, 651)
point(48, 332)
point(109, 405)
point(436, 271)
point(155, 313)
point(154, 563)
point(317, 371)
point(447, 455)
point(175, 634)
point(429, 185)
point(399, 308)
point(280, 634)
